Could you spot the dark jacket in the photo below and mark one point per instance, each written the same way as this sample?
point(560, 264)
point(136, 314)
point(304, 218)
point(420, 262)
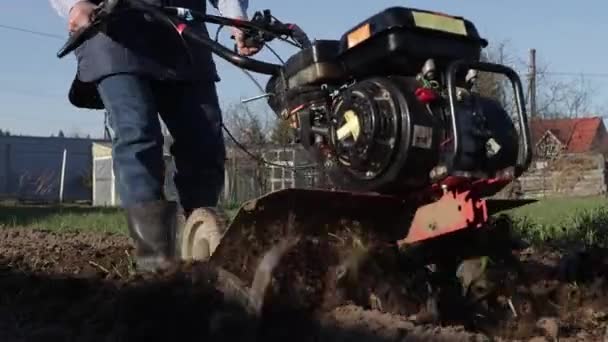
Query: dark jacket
point(132, 44)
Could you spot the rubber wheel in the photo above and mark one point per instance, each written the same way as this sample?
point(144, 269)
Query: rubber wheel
point(202, 234)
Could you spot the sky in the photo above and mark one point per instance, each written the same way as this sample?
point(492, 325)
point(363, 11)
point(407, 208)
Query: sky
point(568, 37)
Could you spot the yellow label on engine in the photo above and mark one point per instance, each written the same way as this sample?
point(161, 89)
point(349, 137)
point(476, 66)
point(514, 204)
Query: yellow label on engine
point(439, 22)
point(359, 35)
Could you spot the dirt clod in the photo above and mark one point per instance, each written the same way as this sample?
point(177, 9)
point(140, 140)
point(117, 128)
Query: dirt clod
point(549, 326)
point(539, 339)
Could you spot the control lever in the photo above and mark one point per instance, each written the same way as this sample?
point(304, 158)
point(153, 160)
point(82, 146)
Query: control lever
point(257, 38)
point(299, 36)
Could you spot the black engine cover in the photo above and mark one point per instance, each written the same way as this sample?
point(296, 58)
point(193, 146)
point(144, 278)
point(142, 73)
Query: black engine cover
point(399, 41)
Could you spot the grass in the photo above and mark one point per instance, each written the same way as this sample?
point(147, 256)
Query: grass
point(568, 220)
point(231, 209)
point(557, 210)
point(62, 218)
point(565, 221)
point(70, 217)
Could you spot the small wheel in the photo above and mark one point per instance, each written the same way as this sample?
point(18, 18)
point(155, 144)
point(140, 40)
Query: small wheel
point(202, 234)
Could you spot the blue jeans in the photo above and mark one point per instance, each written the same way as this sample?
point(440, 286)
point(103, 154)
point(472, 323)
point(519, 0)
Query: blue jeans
point(192, 115)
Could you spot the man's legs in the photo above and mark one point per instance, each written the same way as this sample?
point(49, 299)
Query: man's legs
point(192, 114)
point(139, 168)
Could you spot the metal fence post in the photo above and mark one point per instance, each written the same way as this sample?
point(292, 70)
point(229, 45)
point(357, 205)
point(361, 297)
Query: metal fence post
point(61, 184)
point(7, 170)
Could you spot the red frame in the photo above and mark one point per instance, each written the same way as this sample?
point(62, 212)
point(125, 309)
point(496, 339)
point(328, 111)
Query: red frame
point(460, 206)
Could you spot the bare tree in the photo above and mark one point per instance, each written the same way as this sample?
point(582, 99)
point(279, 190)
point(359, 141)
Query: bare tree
point(282, 133)
point(570, 99)
point(245, 126)
point(556, 97)
point(494, 85)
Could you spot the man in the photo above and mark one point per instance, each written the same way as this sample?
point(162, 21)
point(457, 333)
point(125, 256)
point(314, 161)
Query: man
point(140, 70)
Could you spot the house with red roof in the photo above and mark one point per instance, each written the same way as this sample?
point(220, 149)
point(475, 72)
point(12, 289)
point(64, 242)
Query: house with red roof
point(569, 159)
point(553, 137)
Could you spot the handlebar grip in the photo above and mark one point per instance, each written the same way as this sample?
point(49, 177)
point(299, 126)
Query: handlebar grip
point(74, 41)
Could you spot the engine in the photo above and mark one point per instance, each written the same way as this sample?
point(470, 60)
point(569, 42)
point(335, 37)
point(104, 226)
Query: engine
point(391, 107)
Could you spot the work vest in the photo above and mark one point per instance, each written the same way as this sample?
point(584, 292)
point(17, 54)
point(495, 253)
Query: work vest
point(133, 44)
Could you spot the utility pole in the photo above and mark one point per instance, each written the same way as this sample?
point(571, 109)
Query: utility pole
point(532, 83)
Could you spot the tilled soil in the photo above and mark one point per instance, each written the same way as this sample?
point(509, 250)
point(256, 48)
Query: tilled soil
point(80, 287)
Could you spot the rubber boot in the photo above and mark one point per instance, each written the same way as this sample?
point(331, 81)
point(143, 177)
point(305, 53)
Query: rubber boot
point(152, 227)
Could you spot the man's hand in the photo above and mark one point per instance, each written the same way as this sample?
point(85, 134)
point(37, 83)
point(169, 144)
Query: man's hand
point(242, 49)
point(80, 15)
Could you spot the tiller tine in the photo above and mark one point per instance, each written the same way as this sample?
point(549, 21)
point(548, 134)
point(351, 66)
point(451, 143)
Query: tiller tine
point(265, 222)
point(294, 234)
point(280, 238)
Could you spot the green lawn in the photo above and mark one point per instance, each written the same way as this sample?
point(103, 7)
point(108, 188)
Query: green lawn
point(559, 210)
point(566, 220)
point(571, 220)
point(67, 217)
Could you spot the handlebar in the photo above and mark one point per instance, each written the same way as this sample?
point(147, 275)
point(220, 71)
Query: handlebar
point(259, 30)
